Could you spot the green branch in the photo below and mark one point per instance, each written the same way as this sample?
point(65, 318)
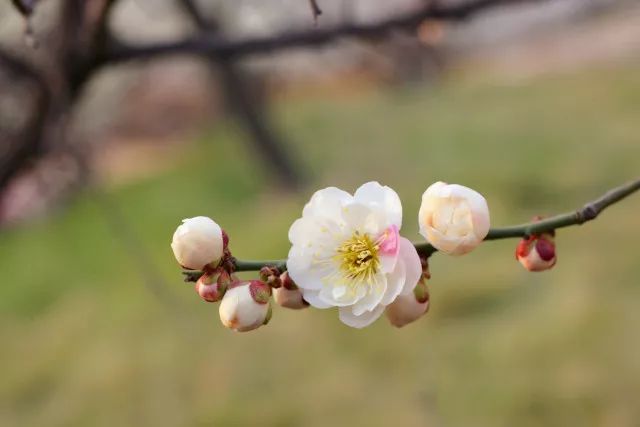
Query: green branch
point(280, 264)
point(588, 212)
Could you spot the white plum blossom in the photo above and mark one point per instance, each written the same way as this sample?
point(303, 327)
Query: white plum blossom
point(245, 306)
point(347, 252)
point(453, 218)
point(198, 242)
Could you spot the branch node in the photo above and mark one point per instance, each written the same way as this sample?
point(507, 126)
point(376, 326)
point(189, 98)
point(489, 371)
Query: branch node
point(588, 212)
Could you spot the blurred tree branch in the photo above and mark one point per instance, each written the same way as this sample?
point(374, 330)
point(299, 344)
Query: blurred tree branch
point(315, 10)
point(85, 44)
point(246, 107)
point(30, 140)
point(25, 7)
point(213, 45)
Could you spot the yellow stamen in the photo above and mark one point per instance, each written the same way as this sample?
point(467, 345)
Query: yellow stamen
point(358, 258)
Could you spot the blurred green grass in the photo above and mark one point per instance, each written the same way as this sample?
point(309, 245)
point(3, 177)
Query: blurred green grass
point(85, 342)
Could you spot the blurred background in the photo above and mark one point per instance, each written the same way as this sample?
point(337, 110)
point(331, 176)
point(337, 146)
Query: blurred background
point(535, 105)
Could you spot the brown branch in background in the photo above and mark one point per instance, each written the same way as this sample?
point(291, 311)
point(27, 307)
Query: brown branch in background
point(315, 10)
point(81, 53)
point(247, 108)
point(213, 45)
point(25, 7)
point(74, 63)
point(30, 142)
point(82, 49)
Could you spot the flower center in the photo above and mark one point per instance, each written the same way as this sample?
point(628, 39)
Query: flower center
point(358, 257)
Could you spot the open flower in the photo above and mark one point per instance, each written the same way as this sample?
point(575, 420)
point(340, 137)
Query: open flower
point(537, 253)
point(453, 218)
point(198, 242)
point(347, 252)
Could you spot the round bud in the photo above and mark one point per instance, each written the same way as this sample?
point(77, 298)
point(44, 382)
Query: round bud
point(453, 218)
point(245, 306)
point(198, 242)
point(288, 295)
point(409, 308)
point(208, 289)
point(537, 253)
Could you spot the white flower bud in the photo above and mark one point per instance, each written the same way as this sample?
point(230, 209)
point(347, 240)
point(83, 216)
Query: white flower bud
point(245, 306)
point(453, 218)
point(198, 242)
point(408, 308)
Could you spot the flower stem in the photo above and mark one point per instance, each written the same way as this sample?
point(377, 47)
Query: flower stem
point(280, 264)
point(587, 213)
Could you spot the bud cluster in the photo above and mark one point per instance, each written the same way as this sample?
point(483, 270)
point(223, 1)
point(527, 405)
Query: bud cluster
point(202, 247)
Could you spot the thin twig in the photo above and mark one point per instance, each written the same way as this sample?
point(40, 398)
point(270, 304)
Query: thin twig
point(588, 212)
point(315, 10)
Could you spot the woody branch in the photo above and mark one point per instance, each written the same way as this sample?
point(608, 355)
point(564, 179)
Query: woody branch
point(588, 212)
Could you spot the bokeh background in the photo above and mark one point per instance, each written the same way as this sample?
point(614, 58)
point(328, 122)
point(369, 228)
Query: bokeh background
point(535, 106)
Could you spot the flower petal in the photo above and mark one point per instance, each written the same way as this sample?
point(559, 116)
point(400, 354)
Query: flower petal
point(312, 297)
point(413, 267)
point(362, 218)
point(307, 268)
point(365, 319)
point(300, 231)
point(339, 294)
point(478, 207)
point(436, 189)
point(395, 283)
point(373, 297)
point(389, 249)
point(446, 244)
point(375, 195)
point(327, 203)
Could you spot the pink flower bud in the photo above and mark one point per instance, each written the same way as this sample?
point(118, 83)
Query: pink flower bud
point(198, 242)
point(537, 253)
point(409, 308)
point(245, 306)
point(288, 295)
point(208, 289)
